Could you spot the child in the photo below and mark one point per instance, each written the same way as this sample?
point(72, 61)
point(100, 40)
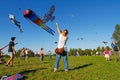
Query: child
point(107, 55)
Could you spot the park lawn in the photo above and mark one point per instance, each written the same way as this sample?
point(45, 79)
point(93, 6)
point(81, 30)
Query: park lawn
point(80, 68)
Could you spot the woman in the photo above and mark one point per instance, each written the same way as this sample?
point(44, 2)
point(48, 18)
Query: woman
point(41, 54)
point(63, 37)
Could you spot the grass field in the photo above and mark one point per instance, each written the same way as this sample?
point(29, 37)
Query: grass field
point(80, 68)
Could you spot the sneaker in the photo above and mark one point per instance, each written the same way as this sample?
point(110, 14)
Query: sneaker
point(66, 70)
point(55, 70)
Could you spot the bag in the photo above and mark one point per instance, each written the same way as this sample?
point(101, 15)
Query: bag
point(59, 50)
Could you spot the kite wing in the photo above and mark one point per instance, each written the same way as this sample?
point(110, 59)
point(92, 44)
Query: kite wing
point(49, 16)
point(29, 14)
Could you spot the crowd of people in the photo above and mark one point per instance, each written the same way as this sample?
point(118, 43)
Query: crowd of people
point(24, 54)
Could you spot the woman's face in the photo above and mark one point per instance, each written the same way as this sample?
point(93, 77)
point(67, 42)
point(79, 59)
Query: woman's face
point(65, 32)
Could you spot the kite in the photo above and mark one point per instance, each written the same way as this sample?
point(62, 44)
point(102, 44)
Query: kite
point(19, 8)
point(14, 21)
point(55, 42)
point(49, 16)
point(105, 42)
point(80, 39)
point(30, 15)
point(13, 77)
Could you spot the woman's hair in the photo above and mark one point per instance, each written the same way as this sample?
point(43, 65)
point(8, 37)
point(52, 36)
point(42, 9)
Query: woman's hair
point(66, 31)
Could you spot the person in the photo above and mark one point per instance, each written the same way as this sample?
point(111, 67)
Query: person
point(22, 54)
point(77, 53)
point(107, 54)
point(1, 58)
point(74, 53)
point(115, 49)
point(50, 55)
point(63, 37)
point(97, 53)
point(41, 54)
point(11, 51)
point(26, 54)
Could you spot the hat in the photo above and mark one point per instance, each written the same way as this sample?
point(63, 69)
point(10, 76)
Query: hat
point(13, 38)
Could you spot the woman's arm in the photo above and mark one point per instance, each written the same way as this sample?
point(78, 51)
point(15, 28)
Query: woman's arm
point(58, 29)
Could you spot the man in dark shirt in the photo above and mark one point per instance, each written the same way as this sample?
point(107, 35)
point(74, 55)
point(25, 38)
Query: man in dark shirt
point(115, 49)
point(11, 51)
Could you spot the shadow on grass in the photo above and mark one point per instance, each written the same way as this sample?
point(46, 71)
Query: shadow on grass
point(83, 66)
point(29, 71)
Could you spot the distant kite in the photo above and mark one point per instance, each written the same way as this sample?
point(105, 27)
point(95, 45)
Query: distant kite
point(14, 21)
point(105, 42)
point(19, 8)
point(49, 16)
point(80, 39)
point(55, 42)
point(29, 14)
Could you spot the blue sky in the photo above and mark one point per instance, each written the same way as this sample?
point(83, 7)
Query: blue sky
point(92, 20)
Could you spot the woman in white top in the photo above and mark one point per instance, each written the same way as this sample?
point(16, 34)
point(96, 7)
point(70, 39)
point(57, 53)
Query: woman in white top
point(63, 37)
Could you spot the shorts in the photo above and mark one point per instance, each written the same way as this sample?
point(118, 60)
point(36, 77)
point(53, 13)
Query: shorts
point(106, 55)
point(11, 54)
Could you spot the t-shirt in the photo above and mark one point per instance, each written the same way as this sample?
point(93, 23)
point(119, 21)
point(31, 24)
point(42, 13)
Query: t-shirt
point(106, 52)
point(115, 47)
point(10, 46)
point(62, 41)
point(41, 52)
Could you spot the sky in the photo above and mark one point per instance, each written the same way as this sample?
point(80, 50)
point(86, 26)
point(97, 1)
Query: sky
point(92, 20)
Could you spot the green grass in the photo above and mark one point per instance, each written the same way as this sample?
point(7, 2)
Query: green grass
point(80, 68)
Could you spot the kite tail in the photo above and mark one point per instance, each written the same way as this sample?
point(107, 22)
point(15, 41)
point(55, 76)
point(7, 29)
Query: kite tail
point(49, 30)
point(6, 46)
point(3, 47)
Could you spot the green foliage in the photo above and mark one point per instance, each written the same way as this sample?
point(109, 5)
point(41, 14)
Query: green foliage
point(98, 49)
point(107, 47)
point(18, 53)
point(119, 44)
point(116, 33)
point(93, 51)
point(31, 53)
point(88, 51)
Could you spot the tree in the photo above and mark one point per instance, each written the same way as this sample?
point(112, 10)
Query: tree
point(98, 49)
point(88, 51)
point(116, 34)
point(70, 52)
point(107, 47)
